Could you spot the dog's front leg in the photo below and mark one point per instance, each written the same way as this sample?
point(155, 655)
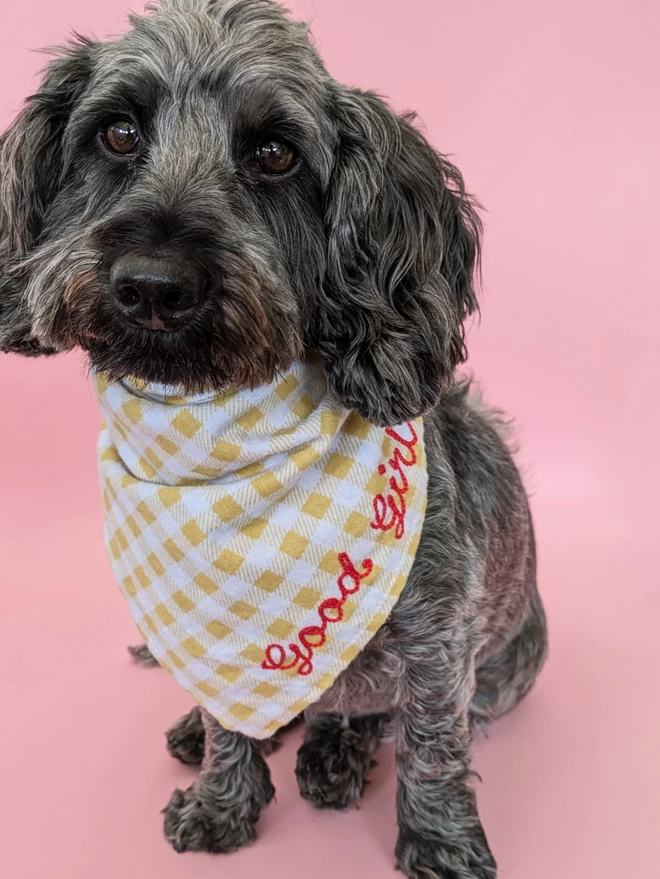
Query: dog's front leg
point(219, 811)
point(440, 834)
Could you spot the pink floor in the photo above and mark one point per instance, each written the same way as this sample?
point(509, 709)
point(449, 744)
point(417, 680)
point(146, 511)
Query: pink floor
point(551, 111)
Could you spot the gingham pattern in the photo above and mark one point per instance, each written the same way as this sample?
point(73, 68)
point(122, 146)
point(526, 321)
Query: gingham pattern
point(225, 515)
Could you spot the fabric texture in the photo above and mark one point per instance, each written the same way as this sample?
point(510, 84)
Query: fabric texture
point(260, 538)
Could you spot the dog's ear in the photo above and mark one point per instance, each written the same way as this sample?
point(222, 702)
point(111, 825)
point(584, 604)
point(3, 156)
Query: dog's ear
point(30, 177)
point(403, 246)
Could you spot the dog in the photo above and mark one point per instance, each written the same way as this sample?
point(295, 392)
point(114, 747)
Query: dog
point(259, 212)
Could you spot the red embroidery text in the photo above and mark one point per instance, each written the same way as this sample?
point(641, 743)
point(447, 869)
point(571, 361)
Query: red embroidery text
point(389, 513)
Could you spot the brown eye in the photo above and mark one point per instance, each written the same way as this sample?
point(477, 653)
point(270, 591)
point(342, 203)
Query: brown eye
point(275, 157)
point(121, 137)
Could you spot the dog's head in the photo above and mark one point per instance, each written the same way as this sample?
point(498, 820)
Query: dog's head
point(199, 203)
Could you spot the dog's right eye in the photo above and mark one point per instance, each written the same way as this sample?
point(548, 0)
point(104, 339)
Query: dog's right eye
point(275, 157)
point(121, 137)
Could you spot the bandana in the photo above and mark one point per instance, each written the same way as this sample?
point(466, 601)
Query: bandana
point(261, 538)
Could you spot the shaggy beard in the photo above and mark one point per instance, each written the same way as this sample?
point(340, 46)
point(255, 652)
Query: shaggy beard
point(229, 341)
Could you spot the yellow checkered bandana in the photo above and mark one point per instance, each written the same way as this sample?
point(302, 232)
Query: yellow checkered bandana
point(261, 538)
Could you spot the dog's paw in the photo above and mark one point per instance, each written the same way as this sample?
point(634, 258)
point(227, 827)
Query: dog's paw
point(143, 656)
point(196, 824)
point(185, 739)
point(422, 857)
point(332, 769)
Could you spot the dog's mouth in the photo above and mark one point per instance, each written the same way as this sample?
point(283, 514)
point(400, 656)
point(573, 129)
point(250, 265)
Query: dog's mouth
point(184, 356)
point(205, 353)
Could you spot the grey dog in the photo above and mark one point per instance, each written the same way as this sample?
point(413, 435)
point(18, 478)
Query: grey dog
point(199, 202)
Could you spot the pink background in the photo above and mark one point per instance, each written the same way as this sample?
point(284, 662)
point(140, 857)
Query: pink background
point(551, 110)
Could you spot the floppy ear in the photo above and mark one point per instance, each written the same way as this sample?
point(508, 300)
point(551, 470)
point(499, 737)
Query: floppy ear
point(403, 243)
point(30, 177)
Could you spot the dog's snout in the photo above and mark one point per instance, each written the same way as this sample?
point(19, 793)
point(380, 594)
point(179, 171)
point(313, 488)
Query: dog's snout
point(157, 293)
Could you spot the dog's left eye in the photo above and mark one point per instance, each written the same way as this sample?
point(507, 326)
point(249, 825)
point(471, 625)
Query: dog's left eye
point(121, 137)
point(275, 157)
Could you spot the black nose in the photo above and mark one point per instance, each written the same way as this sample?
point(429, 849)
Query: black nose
point(157, 293)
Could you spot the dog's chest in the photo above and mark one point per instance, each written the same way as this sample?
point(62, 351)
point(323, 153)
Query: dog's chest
point(370, 685)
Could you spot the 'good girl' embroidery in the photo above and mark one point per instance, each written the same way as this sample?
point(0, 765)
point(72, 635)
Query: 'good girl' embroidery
point(389, 513)
point(395, 503)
